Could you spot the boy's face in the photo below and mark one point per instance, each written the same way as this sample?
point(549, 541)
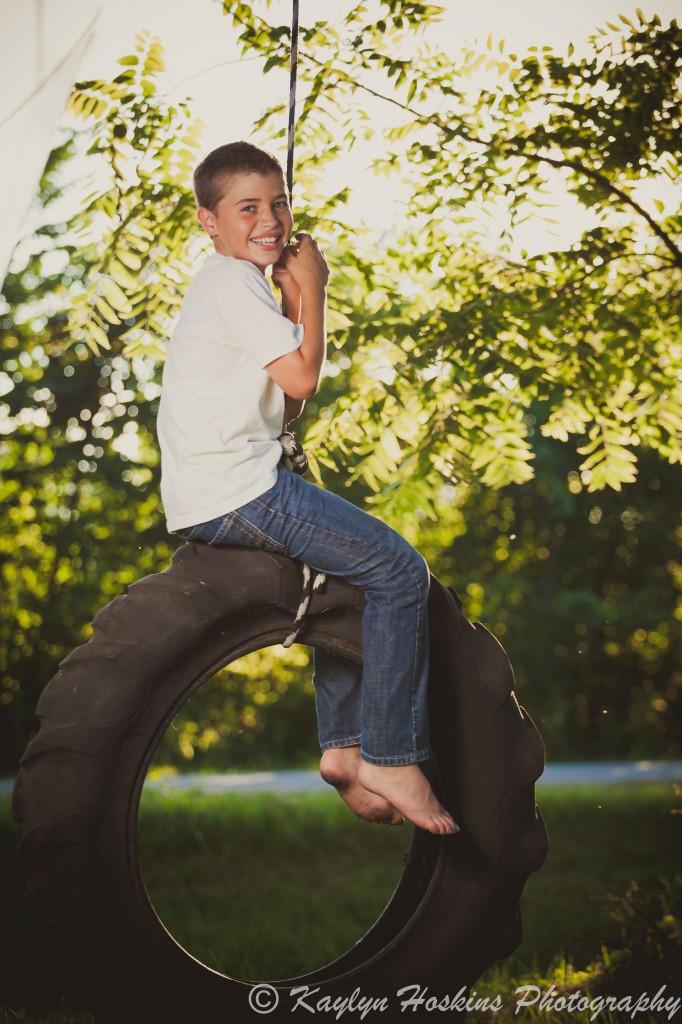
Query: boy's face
point(252, 221)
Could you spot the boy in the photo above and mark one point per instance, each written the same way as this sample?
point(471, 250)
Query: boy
point(235, 368)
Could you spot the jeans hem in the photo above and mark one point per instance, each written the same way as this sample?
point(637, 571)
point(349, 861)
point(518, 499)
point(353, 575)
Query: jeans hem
point(350, 741)
point(395, 762)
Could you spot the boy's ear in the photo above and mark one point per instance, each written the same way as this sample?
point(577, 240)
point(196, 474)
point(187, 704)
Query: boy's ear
point(207, 220)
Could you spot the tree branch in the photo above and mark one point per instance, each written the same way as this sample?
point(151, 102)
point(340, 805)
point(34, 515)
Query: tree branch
point(609, 186)
point(515, 150)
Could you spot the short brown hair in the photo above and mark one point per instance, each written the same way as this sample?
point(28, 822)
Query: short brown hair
point(213, 173)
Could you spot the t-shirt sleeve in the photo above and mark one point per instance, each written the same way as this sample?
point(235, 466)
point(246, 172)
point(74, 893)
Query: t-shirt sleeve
point(255, 324)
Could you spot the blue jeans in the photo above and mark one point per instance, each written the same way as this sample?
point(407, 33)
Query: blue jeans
point(383, 706)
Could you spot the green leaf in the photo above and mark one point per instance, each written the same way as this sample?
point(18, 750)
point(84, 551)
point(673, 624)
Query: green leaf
point(95, 337)
point(106, 310)
point(115, 295)
point(130, 259)
point(121, 274)
point(390, 445)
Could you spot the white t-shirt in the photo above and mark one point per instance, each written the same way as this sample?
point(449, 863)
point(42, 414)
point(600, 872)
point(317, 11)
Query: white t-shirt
point(221, 413)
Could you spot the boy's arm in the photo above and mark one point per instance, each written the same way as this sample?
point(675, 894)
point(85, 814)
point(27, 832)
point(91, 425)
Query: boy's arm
point(302, 275)
point(291, 307)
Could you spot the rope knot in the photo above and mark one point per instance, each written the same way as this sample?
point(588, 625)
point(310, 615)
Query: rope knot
point(293, 456)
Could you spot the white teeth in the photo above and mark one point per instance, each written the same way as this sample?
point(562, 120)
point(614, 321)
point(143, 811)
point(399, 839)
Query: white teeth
point(265, 241)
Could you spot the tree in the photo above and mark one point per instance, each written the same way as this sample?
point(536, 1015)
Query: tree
point(464, 339)
point(81, 517)
point(590, 336)
point(458, 364)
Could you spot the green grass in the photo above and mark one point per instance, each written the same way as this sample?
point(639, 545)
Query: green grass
point(264, 886)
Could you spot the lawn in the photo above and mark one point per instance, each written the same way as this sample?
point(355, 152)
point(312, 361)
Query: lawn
point(268, 886)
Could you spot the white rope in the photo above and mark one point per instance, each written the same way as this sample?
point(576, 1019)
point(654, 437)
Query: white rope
point(312, 581)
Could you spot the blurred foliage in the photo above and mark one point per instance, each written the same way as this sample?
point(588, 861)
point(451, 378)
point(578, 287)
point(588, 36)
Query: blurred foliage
point(80, 506)
point(518, 416)
point(229, 722)
point(133, 228)
point(464, 336)
point(583, 590)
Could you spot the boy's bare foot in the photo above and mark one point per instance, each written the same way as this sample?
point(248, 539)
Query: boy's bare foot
point(407, 788)
point(339, 767)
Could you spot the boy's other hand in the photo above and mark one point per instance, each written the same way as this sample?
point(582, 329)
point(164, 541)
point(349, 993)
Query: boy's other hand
point(281, 276)
point(298, 372)
point(291, 292)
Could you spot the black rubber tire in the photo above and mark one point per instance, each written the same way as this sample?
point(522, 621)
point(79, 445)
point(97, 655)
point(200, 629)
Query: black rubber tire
point(455, 910)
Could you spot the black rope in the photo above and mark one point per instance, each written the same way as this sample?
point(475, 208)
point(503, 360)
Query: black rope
point(293, 64)
point(294, 457)
point(291, 130)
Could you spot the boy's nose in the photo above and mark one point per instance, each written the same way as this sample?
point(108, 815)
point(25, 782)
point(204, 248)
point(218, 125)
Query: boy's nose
point(269, 226)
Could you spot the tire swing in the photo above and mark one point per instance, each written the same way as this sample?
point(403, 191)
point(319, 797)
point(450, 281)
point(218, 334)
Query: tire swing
point(455, 909)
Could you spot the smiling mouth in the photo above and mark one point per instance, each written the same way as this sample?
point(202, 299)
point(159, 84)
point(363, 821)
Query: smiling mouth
point(268, 241)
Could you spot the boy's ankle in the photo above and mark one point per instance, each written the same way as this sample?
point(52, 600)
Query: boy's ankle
point(339, 764)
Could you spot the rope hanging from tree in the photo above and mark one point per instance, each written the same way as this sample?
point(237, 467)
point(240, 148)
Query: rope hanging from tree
point(293, 72)
point(293, 455)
